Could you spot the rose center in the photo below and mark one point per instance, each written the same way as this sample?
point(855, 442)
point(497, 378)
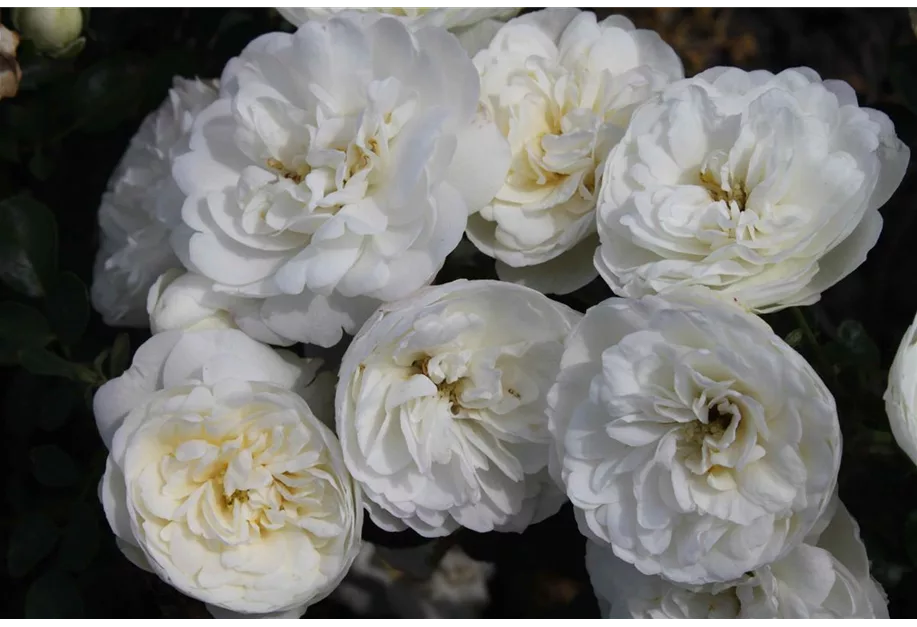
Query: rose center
point(729, 190)
point(448, 390)
point(717, 424)
point(296, 174)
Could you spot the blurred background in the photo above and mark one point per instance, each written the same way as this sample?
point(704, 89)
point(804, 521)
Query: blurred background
point(63, 133)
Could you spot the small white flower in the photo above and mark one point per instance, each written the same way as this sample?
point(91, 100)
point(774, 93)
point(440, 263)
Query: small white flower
point(825, 577)
point(561, 87)
point(342, 159)
point(141, 207)
point(221, 479)
point(188, 301)
point(690, 437)
point(901, 394)
point(441, 408)
point(766, 188)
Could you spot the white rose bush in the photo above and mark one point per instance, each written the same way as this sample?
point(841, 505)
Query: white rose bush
point(453, 313)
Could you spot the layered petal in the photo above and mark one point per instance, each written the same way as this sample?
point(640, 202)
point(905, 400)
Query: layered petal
point(142, 205)
point(690, 438)
point(561, 88)
point(440, 408)
point(222, 480)
point(340, 162)
point(825, 577)
point(763, 187)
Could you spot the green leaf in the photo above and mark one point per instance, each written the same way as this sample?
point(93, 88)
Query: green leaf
point(43, 362)
point(43, 161)
point(22, 326)
point(54, 595)
point(53, 466)
point(80, 541)
point(9, 354)
point(56, 406)
point(28, 245)
point(24, 122)
point(120, 355)
point(9, 148)
point(17, 496)
point(910, 537)
point(106, 94)
point(39, 69)
point(19, 405)
point(67, 305)
point(32, 539)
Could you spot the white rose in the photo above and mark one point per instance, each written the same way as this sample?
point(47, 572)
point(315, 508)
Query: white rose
point(561, 88)
point(142, 205)
point(451, 18)
point(188, 301)
point(441, 408)
point(825, 577)
point(221, 480)
point(690, 437)
point(474, 27)
point(766, 188)
point(901, 394)
point(340, 160)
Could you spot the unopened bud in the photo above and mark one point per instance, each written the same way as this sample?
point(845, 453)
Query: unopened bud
point(52, 30)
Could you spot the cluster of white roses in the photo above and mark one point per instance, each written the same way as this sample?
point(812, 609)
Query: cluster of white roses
point(317, 188)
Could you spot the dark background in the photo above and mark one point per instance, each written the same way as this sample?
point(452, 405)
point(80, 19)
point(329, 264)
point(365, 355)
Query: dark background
point(61, 137)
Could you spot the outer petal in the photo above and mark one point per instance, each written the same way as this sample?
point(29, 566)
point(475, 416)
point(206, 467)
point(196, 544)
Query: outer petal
point(901, 394)
point(117, 397)
point(565, 273)
point(141, 205)
point(479, 164)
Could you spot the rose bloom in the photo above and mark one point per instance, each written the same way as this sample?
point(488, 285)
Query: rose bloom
point(221, 479)
point(561, 88)
point(188, 301)
point(901, 394)
point(689, 437)
point(827, 576)
point(441, 408)
point(764, 187)
point(451, 18)
point(341, 160)
point(473, 27)
point(142, 205)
